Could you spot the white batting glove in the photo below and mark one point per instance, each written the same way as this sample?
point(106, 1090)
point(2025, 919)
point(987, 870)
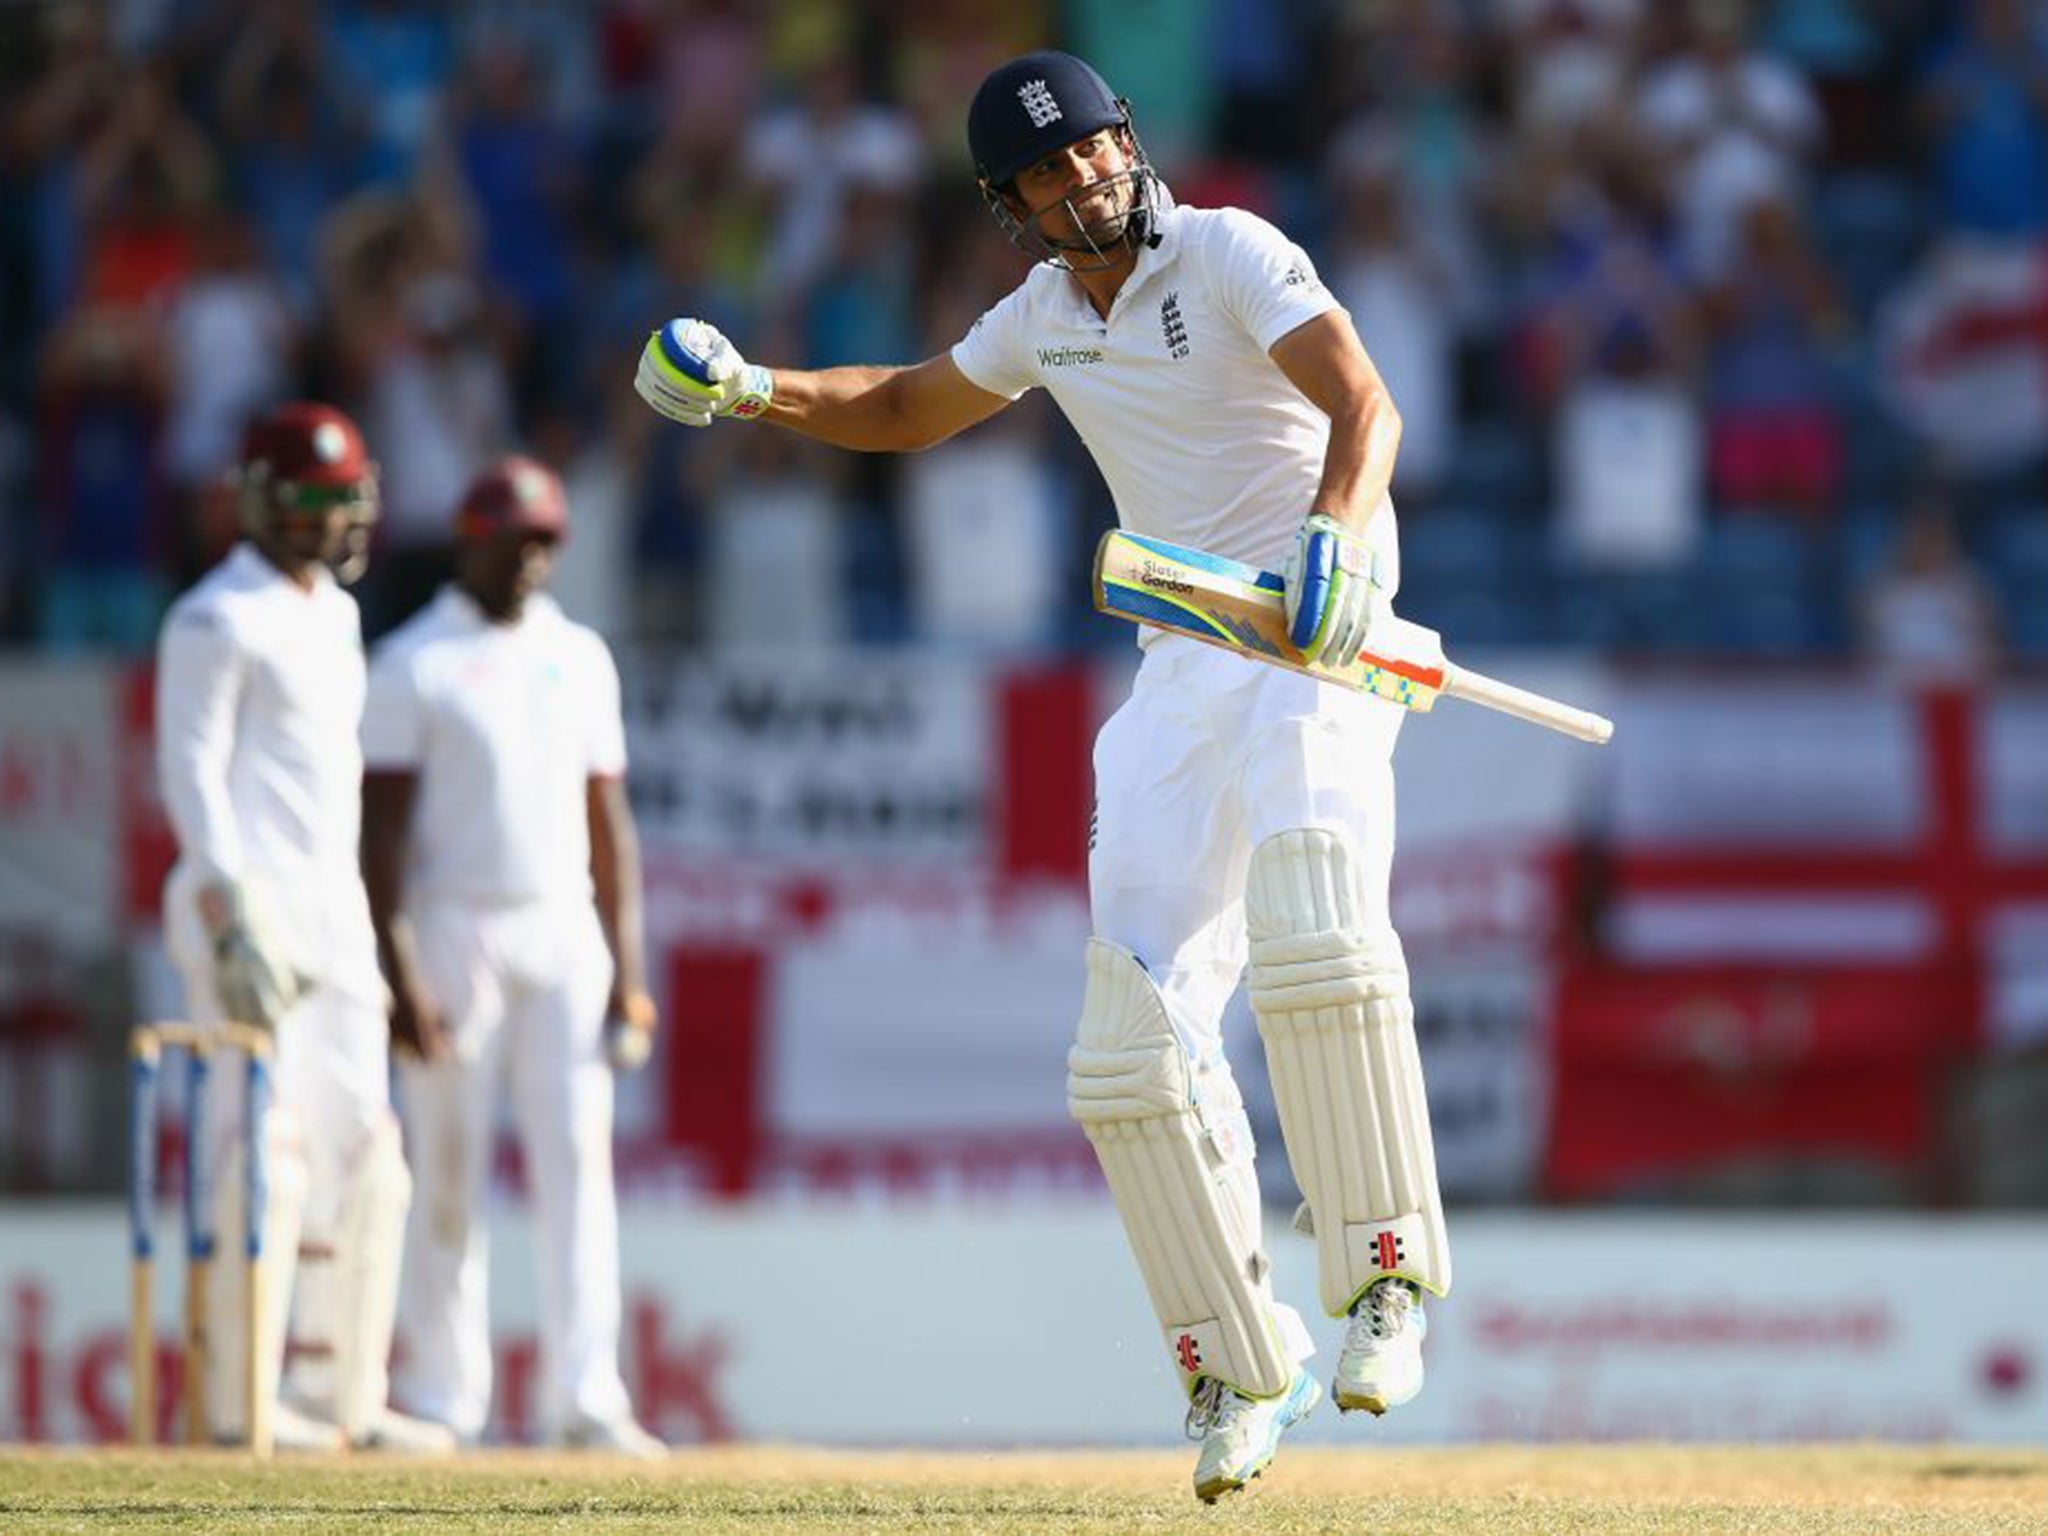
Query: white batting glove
point(1333, 590)
point(690, 373)
point(257, 985)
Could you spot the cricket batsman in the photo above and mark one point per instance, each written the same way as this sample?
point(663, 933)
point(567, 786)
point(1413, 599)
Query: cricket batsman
point(1245, 813)
point(259, 688)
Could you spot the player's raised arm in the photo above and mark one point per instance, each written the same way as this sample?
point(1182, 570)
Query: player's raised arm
point(691, 374)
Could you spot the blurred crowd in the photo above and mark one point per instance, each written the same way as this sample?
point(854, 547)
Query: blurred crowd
point(1718, 328)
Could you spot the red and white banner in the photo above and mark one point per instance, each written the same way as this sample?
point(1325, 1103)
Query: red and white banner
point(866, 892)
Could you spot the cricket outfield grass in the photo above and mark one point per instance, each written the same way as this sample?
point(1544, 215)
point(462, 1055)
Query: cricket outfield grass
point(1483, 1491)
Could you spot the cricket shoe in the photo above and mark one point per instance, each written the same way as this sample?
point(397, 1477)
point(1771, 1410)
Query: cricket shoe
point(1381, 1366)
point(621, 1436)
point(400, 1434)
point(1239, 1434)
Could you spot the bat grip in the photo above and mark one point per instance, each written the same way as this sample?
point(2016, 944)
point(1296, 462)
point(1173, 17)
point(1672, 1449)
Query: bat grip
point(1492, 693)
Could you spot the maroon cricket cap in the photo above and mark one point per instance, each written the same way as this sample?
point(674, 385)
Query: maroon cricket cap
point(305, 443)
point(515, 494)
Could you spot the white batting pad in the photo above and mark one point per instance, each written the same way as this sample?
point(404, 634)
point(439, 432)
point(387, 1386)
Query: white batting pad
point(1170, 1167)
point(227, 1280)
point(1331, 998)
point(367, 1249)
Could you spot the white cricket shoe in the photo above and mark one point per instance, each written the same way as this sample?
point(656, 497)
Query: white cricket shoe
point(1381, 1366)
point(1239, 1434)
point(621, 1436)
point(400, 1434)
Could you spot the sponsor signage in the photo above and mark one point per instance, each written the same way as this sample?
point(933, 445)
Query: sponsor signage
point(906, 1325)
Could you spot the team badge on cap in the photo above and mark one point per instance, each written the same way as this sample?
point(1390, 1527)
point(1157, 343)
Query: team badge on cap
point(1038, 101)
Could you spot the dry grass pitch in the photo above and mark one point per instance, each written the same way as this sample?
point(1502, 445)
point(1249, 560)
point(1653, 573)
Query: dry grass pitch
point(1488, 1491)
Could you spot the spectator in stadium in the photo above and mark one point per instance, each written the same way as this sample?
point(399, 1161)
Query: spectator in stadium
point(232, 344)
point(1616, 345)
point(503, 873)
point(986, 500)
point(108, 522)
point(1568, 61)
point(1775, 432)
point(1928, 616)
point(65, 107)
point(1736, 123)
point(1984, 102)
point(411, 327)
point(1399, 287)
point(392, 60)
point(141, 182)
point(283, 138)
point(523, 181)
point(810, 155)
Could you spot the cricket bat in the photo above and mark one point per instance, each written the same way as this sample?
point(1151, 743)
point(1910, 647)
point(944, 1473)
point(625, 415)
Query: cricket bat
point(1242, 608)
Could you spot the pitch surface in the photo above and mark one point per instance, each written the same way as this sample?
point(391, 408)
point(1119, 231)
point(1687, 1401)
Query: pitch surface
point(1489, 1491)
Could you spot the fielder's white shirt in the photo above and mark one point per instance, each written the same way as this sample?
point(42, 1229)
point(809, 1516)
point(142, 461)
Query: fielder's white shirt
point(505, 724)
point(259, 689)
point(1198, 433)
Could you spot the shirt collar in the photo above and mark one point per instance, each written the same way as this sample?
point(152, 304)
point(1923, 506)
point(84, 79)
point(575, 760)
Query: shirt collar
point(460, 606)
point(251, 565)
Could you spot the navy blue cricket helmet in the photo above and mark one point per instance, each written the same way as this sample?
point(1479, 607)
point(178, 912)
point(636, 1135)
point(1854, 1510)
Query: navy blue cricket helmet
point(1032, 106)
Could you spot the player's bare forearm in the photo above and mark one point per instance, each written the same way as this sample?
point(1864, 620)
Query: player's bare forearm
point(880, 410)
point(615, 878)
point(386, 839)
point(850, 407)
point(1359, 463)
point(387, 820)
point(1325, 361)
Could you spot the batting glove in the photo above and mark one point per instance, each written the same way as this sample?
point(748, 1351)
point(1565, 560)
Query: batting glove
point(690, 373)
point(1332, 589)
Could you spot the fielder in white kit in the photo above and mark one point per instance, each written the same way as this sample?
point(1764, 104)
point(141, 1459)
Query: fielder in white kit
point(1245, 814)
point(259, 689)
point(504, 885)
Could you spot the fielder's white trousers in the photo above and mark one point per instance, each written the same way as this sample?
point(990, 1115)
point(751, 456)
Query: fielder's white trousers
point(1211, 755)
point(523, 991)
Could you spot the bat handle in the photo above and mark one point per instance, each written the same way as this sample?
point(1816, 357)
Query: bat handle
point(1492, 693)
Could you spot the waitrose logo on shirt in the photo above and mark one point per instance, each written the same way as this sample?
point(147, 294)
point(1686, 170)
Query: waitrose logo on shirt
point(1067, 357)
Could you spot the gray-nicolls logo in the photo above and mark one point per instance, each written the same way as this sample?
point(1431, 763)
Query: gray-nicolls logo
point(1037, 98)
point(1173, 326)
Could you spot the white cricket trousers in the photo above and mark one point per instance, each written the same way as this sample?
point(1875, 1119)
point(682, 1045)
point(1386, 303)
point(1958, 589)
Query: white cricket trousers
point(1211, 755)
point(522, 990)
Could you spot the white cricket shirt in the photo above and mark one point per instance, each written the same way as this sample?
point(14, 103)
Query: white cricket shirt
point(505, 724)
point(1198, 433)
point(259, 688)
